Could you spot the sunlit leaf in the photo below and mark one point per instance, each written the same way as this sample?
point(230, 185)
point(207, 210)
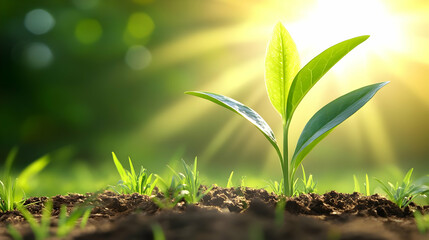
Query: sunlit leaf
point(330, 116)
point(308, 76)
point(281, 66)
point(242, 110)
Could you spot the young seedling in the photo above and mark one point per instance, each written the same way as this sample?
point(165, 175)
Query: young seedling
point(309, 186)
point(131, 182)
point(67, 223)
point(286, 86)
point(184, 185)
point(402, 194)
point(276, 187)
point(422, 222)
point(357, 185)
point(12, 191)
point(40, 230)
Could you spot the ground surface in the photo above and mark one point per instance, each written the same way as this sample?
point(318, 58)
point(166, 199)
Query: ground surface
point(228, 213)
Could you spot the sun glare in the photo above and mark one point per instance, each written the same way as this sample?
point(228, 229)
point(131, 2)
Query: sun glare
point(332, 21)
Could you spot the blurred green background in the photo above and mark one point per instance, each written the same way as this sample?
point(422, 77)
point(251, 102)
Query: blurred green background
point(82, 78)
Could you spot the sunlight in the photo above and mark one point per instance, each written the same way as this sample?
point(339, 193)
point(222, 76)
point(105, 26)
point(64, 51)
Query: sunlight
point(332, 21)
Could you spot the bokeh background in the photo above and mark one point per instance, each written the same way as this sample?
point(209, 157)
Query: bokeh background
point(82, 78)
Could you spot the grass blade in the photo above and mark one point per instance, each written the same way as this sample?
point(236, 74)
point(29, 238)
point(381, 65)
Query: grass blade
point(329, 117)
point(119, 167)
point(356, 182)
point(311, 73)
point(229, 183)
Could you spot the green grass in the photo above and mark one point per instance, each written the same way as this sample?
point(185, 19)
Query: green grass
point(287, 85)
point(366, 185)
point(403, 193)
point(12, 190)
point(41, 229)
point(186, 185)
point(131, 182)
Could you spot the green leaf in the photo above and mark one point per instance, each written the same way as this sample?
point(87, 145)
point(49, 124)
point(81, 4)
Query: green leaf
point(119, 167)
point(281, 66)
point(330, 116)
point(308, 76)
point(242, 110)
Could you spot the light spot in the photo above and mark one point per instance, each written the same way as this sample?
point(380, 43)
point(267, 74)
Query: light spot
point(138, 57)
point(140, 25)
point(38, 55)
point(39, 21)
point(88, 31)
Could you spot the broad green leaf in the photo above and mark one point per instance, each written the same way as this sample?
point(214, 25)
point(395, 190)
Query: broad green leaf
point(242, 110)
point(315, 69)
point(330, 116)
point(281, 66)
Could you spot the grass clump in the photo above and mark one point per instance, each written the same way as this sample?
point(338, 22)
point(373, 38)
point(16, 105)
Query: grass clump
point(12, 189)
point(403, 193)
point(131, 182)
point(287, 85)
point(184, 185)
point(41, 229)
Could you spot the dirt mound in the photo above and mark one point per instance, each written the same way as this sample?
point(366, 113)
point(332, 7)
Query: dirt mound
point(231, 213)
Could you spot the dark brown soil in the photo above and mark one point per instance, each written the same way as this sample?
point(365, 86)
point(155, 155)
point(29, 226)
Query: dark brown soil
point(232, 213)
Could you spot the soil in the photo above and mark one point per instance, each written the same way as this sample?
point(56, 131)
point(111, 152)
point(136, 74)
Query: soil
point(231, 213)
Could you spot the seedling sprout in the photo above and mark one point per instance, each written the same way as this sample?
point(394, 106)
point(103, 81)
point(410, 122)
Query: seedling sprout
point(286, 86)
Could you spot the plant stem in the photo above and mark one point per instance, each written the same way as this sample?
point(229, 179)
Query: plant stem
point(287, 187)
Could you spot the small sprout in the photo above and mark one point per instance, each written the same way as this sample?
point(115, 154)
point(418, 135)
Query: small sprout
point(287, 85)
point(229, 184)
point(309, 186)
point(366, 185)
point(185, 186)
point(422, 222)
point(403, 194)
point(67, 223)
point(40, 230)
point(12, 191)
point(276, 187)
point(131, 182)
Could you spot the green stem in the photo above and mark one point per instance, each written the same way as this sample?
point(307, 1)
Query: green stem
point(287, 184)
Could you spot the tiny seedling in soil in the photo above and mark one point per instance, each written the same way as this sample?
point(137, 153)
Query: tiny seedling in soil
point(309, 186)
point(286, 86)
point(12, 192)
point(40, 230)
point(131, 182)
point(403, 193)
point(357, 185)
point(66, 223)
point(184, 185)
